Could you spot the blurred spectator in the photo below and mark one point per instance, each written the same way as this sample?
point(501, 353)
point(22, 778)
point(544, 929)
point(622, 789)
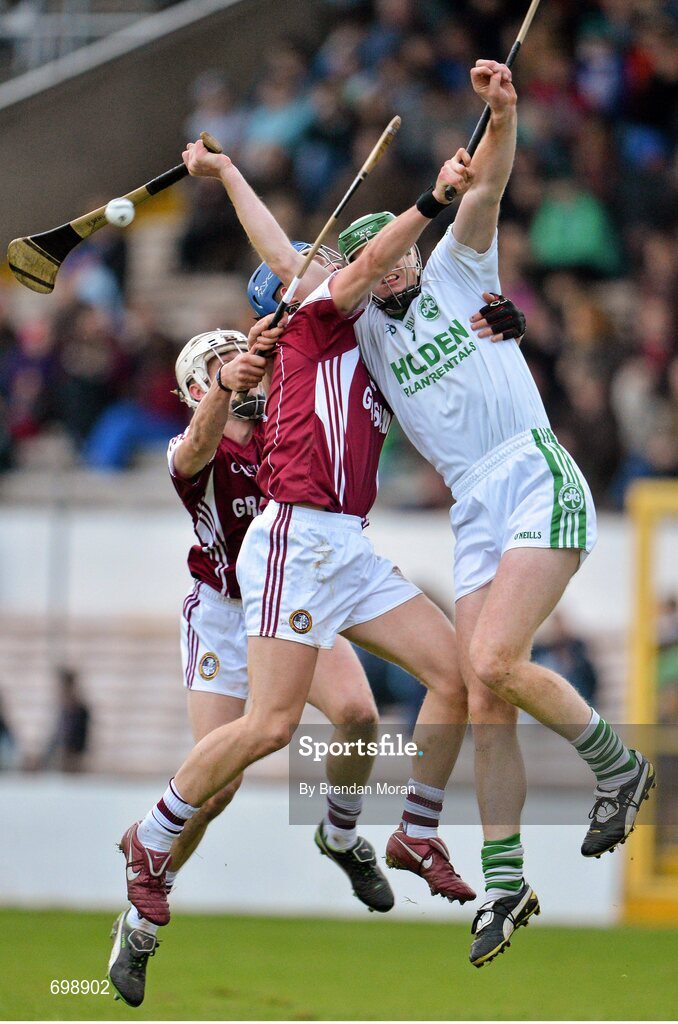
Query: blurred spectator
point(212, 239)
point(587, 233)
point(588, 428)
point(324, 151)
point(27, 374)
point(387, 187)
point(88, 279)
point(280, 117)
point(216, 111)
point(149, 415)
point(8, 747)
point(68, 744)
point(6, 445)
point(92, 366)
point(571, 230)
point(563, 652)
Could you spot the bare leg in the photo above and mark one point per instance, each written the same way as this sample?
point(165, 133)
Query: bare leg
point(280, 678)
point(501, 786)
point(528, 585)
point(418, 637)
point(206, 711)
point(341, 691)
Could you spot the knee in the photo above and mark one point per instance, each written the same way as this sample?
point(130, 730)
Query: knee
point(271, 735)
point(213, 807)
point(486, 706)
point(495, 668)
point(446, 682)
point(358, 717)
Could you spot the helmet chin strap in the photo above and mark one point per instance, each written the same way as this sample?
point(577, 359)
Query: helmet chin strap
point(249, 408)
point(395, 304)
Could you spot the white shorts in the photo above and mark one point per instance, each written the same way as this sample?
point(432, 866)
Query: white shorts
point(307, 575)
point(526, 493)
point(214, 643)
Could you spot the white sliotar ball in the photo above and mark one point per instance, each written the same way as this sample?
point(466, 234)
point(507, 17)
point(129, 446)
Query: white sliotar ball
point(120, 212)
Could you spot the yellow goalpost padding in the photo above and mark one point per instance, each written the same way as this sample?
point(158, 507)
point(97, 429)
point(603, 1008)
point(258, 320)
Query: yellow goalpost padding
point(651, 875)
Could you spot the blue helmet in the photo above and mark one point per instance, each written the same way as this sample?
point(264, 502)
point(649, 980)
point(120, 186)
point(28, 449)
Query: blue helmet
point(263, 284)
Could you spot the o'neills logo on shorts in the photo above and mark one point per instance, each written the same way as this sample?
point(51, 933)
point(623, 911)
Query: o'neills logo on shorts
point(301, 621)
point(209, 665)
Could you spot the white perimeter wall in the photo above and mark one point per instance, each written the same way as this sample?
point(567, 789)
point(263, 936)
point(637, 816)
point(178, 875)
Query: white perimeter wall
point(90, 561)
point(62, 832)
point(59, 851)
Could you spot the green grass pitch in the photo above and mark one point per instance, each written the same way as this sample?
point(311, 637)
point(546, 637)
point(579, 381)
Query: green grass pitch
point(235, 968)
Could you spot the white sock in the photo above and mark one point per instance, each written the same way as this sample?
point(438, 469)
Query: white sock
point(496, 894)
point(134, 920)
point(423, 806)
point(339, 823)
point(607, 756)
point(165, 821)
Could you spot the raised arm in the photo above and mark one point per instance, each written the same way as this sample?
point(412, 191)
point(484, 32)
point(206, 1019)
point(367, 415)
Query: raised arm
point(382, 253)
point(478, 212)
point(266, 236)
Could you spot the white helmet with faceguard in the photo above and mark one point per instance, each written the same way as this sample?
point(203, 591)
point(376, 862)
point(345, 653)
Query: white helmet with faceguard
point(191, 368)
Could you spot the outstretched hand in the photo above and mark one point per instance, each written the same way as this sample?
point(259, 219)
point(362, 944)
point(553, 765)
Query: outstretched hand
point(498, 320)
point(493, 82)
point(203, 164)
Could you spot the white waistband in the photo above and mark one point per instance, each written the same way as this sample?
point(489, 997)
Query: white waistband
point(494, 458)
point(207, 593)
point(333, 520)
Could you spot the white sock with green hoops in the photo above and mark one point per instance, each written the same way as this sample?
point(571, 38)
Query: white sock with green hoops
point(502, 861)
point(612, 763)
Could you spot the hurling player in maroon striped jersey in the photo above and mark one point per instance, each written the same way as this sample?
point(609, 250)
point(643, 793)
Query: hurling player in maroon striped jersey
point(307, 573)
point(483, 426)
point(213, 466)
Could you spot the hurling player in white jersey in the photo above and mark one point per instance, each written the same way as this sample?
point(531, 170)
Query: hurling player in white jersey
point(522, 514)
point(213, 466)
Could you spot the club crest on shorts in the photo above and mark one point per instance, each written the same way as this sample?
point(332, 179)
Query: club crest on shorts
point(571, 498)
point(428, 307)
point(209, 665)
point(301, 621)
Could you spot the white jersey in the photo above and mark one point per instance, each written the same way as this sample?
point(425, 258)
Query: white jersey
point(455, 395)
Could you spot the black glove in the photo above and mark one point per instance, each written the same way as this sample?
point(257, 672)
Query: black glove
point(504, 317)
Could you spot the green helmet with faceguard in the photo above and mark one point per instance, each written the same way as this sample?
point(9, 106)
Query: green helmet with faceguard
point(358, 234)
point(353, 238)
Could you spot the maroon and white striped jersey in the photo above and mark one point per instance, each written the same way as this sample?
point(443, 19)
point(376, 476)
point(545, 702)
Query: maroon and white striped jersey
point(222, 500)
point(326, 418)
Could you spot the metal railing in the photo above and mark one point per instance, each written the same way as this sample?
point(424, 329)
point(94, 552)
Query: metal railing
point(33, 32)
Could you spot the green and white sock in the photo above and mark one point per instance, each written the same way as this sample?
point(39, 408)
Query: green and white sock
point(612, 763)
point(502, 861)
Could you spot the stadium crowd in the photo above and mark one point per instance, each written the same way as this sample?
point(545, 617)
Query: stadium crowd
point(587, 235)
